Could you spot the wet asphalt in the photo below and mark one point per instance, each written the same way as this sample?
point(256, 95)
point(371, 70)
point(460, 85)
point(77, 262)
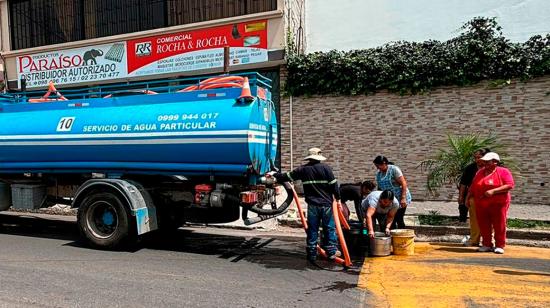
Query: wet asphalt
point(43, 264)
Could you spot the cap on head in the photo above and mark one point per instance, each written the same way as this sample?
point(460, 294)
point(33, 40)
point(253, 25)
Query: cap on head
point(491, 156)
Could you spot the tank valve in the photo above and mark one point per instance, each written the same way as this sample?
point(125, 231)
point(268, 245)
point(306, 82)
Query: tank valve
point(268, 178)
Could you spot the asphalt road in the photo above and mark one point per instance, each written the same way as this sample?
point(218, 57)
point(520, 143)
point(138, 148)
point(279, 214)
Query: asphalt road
point(42, 264)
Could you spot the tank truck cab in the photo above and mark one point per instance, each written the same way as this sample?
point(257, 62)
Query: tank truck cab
point(153, 156)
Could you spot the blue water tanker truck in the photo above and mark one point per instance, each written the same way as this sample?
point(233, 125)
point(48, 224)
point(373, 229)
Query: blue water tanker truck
point(140, 157)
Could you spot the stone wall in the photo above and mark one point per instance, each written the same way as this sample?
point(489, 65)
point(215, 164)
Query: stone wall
point(352, 130)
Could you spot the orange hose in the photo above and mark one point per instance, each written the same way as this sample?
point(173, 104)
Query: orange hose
point(300, 212)
point(216, 82)
point(320, 250)
point(44, 100)
point(223, 79)
point(220, 85)
point(343, 219)
point(340, 233)
point(51, 88)
point(189, 88)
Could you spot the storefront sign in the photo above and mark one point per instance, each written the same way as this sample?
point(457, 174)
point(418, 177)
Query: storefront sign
point(199, 49)
point(88, 64)
point(162, 54)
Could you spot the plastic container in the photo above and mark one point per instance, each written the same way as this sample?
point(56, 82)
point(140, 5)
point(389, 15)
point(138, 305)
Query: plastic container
point(28, 196)
point(5, 196)
point(403, 242)
point(355, 240)
point(380, 245)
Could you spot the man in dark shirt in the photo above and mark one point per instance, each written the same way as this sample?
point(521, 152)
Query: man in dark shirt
point(465, 182)
point(356, 193)
point(320, 190)
point(351, 192)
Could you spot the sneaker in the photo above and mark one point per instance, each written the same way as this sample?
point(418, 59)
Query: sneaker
point(499, 250)
point(466, 240)
point(336, 254)
point(485, 249)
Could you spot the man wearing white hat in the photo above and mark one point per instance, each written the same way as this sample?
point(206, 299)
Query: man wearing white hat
point(320, 190)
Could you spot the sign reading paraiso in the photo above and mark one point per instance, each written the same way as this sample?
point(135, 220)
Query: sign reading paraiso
point(162, 54)
point(89, 64)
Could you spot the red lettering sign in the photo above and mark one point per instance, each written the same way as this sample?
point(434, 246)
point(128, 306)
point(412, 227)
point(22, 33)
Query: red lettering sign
point(144, 51)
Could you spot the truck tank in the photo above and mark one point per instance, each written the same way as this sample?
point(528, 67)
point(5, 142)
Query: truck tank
point(198, 130)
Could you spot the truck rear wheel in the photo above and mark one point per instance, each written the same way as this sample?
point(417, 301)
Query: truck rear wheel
point(104, 220)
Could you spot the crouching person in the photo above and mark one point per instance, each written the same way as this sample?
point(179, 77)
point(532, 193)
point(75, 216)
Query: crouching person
point(379, 206)
point(320, 190)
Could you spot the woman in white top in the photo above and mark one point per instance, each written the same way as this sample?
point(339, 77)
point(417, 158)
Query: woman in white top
point(379, 206)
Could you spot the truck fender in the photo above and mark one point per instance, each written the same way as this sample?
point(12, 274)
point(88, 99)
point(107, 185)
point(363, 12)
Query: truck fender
point(137, 198)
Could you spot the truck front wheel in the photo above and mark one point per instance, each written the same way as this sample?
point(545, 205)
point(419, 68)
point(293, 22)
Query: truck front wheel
point(104, 220)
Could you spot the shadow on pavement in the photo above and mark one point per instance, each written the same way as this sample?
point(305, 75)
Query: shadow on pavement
point(458, 249)
point(518, 273)
point(340, 286)
point(28, 225)
point(268, 251)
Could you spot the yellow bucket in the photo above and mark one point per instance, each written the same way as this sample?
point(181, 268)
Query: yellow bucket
point(403, 242)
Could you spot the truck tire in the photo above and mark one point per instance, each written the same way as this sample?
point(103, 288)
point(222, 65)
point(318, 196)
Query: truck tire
point(104, 220)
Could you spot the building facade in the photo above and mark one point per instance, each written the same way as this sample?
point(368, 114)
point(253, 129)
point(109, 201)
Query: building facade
point(77, 43)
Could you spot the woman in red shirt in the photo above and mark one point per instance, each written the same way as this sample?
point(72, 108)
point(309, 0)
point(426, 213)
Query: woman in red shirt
point(491, 192)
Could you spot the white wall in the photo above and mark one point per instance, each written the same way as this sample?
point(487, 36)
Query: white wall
point(356, 24)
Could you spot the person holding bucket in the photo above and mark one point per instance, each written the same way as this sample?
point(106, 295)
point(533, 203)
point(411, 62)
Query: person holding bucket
point(390, 177)
point(491, 193)
point(379, 206)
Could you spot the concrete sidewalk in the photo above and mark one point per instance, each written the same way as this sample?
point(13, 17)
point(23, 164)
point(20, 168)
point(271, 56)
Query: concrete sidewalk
point(519, 211)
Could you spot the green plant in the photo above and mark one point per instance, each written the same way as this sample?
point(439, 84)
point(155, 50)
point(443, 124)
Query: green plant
point(447, 165)
point(290, 43)
point(528, 224)
point(479, 52)
point(434, 218)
